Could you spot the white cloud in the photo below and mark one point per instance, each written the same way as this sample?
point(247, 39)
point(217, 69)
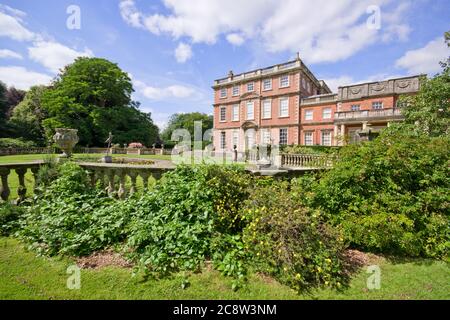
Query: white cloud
point(426, 59)
point(22, 78)
point(54, 55)
point(12, 27)
point(130, 14)
point(13, 11)
point(334, 32)
point(6, 53)
point(183, 52)
point(235, 39)
point(162, 93)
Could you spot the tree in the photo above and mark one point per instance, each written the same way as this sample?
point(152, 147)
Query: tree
point(4, 127)
point(186, 121)
point(13, 98)
point(429, 109)
point(93, 95)
point(28, 115)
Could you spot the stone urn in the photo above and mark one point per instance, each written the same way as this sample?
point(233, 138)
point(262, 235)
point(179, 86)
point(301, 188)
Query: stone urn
point(66, 139)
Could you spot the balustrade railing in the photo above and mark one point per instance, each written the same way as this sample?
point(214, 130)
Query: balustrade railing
point(368, 114)
point(306, 161)
point(117, 177)
point(140, 151)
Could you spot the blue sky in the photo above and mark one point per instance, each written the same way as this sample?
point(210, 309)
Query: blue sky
point(174, 49)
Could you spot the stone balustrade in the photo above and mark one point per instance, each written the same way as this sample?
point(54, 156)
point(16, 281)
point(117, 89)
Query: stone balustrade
point(21, 169)
point(114, 175)
point(305, 161)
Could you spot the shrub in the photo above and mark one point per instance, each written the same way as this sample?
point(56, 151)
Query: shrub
point(177, 225)
point(71, 218)
point(290, 242)
point(16, 143)
point(392, 194)
point(10, 217)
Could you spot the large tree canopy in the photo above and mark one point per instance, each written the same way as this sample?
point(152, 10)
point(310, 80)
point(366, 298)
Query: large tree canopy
point(429, 110)
point(28, 115)
point(93, 95)
point(186, 121)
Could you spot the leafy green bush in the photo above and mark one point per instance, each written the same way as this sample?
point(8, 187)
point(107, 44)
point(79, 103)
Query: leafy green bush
point(290, 242)
point(71, 218)
point(175, 225)
point(16, 143)
point(391, 195)
point(10, 216)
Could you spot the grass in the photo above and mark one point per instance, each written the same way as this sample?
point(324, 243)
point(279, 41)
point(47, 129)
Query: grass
point(13, 180)
point(25, 276)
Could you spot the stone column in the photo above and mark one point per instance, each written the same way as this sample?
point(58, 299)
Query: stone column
point(110, 173)
point(22, 190)
point(35, 171)
point(145, 176)
point(122, 192)
point(336, 135)
point(342, 134)
point(133, 176)
point(4, 189)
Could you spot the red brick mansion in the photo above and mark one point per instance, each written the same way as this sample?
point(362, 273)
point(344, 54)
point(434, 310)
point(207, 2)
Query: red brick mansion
point(285, 104)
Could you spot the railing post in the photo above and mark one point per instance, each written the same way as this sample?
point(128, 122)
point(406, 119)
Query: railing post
point(145, 176)
point(22, 190)
point(110, 173)
point(4, 189)
point(35, 171)
point(122, 192)
point(133, 176)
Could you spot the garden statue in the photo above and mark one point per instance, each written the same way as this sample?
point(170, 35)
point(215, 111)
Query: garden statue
point(108, 158)
point(66, 139)
point(235, 153)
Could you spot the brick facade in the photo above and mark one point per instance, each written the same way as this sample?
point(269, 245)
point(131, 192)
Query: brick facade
point(286, 104)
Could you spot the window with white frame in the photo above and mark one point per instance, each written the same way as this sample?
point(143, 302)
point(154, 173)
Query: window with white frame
point(326, 138)
point(223, 114)
point(377, 105)
point(267, 84)
point(283, 136)
point(250, 110)
point(235, 112)
point(284, 107)
point(309, 140)
point(265, 136)
point(326, 113)
point(236, 139)
point(267, 109)
point(235, 91)
point(284, 81)
point(223, 140)
point(309, 114)
point(355, 107)
point(223, 92)
point(303, 83)
point(250, 87)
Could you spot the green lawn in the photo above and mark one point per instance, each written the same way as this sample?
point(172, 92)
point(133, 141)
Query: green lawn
point(25, 276)
point(13, 180)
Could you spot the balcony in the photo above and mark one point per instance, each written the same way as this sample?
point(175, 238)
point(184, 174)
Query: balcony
point(364, 115)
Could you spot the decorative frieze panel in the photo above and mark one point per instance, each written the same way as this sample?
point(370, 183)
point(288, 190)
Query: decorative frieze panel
point(394, 86)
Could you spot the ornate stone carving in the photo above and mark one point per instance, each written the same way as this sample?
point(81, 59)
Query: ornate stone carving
point(66, 139)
